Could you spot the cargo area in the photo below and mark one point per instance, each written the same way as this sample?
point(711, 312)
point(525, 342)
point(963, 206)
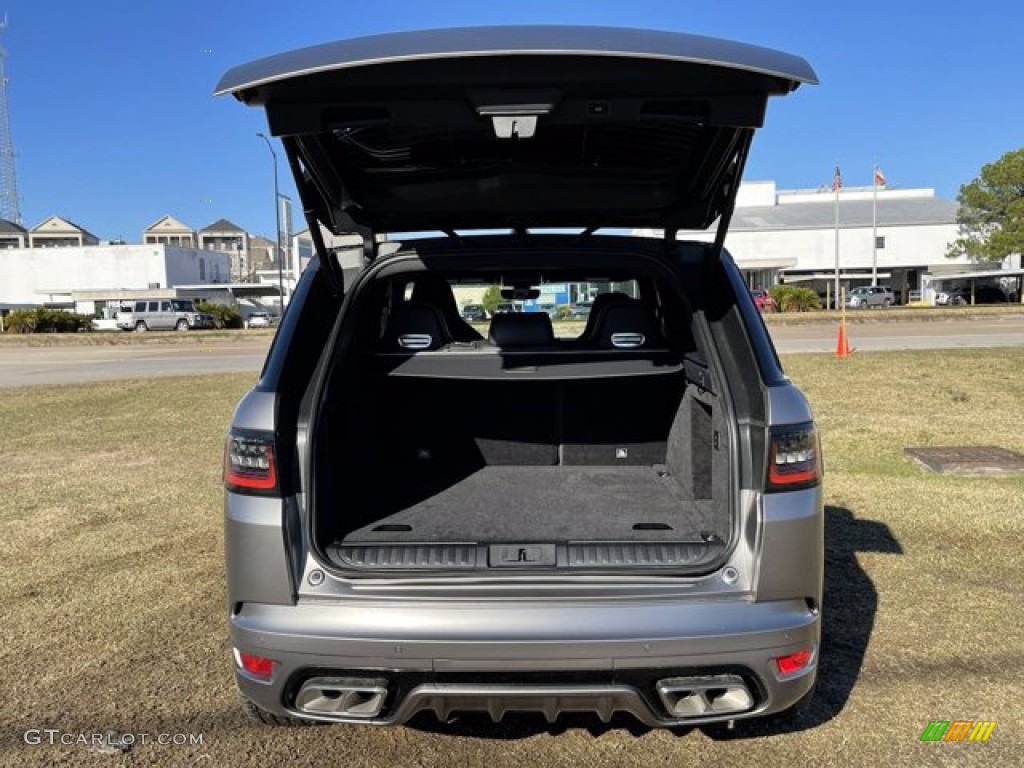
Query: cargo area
point(434, 472)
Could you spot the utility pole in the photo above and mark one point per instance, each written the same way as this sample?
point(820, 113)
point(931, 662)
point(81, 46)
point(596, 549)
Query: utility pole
point(277, 219)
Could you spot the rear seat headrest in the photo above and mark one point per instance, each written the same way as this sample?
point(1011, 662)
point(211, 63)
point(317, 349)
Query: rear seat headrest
point(415, 327)
point(522, 329)
point(630, 324)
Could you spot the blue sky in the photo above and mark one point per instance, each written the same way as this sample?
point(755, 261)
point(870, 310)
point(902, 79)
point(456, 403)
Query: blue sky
point(114, 122)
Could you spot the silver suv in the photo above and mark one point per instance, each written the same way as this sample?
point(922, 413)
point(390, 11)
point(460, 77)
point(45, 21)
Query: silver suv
point(870, 296)
point(420, 516)
point(162, 315)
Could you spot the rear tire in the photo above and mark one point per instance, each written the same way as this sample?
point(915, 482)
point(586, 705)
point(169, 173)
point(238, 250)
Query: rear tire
point(182, 325)
point(141, 327)
point(263, 717)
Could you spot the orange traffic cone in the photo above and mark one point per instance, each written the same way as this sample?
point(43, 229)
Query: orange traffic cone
point(843, 344)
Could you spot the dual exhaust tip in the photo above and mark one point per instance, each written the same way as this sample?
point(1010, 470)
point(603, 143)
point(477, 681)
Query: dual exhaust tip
point(684, 698)
point(349, 697)
point(705, 696)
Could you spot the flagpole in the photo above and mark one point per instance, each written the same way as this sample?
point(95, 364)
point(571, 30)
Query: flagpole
point(874, 224)
point(836, 185)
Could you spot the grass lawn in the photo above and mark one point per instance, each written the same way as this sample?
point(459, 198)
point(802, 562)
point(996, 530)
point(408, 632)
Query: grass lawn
point(114, 604)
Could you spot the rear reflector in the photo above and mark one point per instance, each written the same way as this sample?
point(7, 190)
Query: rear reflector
point(249, 464)
point(793, 460)
point(259, 667)
point(795, 663)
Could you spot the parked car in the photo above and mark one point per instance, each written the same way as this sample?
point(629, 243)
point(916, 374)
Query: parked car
point(629, 521)
point(258, 320)
point(162, 314)
point(763, 300)
point(866, 296)
point(475, 313)
point(580, 311)
point(983, 294)
point(508, 307)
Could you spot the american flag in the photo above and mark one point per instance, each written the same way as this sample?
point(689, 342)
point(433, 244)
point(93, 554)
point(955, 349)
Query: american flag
point(879, 178)
point(837, 180)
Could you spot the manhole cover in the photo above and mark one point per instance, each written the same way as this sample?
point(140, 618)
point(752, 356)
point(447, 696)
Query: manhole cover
point(965, 459)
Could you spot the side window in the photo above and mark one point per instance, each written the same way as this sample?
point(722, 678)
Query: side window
point(153, 306)
point(165, 306)
point(140, 306)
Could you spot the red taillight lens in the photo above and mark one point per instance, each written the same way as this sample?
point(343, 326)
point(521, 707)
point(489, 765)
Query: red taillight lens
point(794, 662)
point(249, 464)
point(257, 666)
point(794, 461)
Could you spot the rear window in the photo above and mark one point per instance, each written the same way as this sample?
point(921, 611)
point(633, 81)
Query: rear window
point(559, 299)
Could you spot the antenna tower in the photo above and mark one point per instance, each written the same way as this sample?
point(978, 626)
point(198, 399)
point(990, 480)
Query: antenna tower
point(9, 208)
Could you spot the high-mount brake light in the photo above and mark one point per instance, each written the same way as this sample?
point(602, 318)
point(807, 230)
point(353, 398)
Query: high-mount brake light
point(249, 464)
point(794, 459)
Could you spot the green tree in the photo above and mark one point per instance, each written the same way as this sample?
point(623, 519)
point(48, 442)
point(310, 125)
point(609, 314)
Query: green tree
point(991, 215)
point(492, 298)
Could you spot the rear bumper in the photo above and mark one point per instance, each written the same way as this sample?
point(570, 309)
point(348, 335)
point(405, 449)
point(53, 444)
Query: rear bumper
point(552, 658)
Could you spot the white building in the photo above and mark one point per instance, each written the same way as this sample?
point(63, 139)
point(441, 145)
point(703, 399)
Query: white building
point(49, 276)
point(790, 236)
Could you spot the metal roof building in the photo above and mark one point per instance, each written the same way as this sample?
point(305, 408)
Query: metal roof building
point(790, 235)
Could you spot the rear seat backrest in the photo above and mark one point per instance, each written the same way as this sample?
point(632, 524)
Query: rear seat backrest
point(521, 329)
point(415, 327)
point(630, 324)
point(597, 310)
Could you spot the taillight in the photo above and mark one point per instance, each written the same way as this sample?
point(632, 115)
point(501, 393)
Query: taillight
point(794, 459)
point(249, 464)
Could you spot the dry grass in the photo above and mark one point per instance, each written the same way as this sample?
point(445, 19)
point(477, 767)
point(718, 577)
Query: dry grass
point(112, 585)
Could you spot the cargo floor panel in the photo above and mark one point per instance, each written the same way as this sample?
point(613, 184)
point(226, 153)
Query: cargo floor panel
point(627, 504)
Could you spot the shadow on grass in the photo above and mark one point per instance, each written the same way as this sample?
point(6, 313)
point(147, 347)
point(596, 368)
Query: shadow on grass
point(848, 618)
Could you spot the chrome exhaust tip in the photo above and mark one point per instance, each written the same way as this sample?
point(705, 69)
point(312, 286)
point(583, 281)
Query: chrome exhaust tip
point(708, 695)
point(348, 697)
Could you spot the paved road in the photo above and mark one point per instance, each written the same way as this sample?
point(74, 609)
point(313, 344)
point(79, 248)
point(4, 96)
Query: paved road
point(902, 334)
point(25, 366)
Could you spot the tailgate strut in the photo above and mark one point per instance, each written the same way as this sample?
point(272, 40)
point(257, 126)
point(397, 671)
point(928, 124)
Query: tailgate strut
point(308, 195)
point(732, 185)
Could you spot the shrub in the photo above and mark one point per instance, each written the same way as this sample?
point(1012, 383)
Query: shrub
point(21, 321)
point(223, 316)
point(794, 298)
point(45, 320)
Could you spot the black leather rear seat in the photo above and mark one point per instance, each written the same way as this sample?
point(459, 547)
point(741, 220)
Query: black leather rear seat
point(511, 330)
point(415, 327)
point(628, 324)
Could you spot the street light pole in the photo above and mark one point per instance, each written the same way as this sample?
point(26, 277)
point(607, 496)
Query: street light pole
point(277, 219)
